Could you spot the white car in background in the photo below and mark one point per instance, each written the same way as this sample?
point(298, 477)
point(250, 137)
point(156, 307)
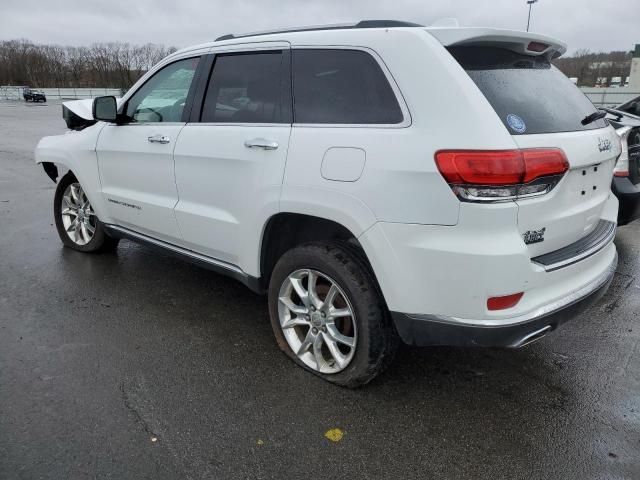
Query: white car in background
point(382, 181)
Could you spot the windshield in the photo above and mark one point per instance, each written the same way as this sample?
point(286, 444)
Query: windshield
point(528, 93)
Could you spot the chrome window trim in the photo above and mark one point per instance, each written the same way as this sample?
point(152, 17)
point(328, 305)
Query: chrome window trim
point(156, 68)
point(238, 124)
point(249, 47)
point(147, 124)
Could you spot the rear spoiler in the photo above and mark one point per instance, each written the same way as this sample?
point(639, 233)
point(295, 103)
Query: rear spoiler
point(521, 42)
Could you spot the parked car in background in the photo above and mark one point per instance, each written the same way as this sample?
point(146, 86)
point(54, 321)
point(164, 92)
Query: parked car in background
point(380, 182)
point(31, 95)
point(632, 107)
point(626, 180)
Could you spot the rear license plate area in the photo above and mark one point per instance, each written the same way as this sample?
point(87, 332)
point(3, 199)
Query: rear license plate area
point(590, 181)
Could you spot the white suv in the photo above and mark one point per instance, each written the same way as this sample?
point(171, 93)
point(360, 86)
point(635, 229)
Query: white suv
point(381, 181)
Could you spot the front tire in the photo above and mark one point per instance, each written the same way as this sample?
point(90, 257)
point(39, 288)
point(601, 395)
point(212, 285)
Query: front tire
point(78, 226)
point(328, 315)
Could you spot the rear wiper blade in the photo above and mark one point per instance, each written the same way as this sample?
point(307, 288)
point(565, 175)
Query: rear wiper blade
point(593, 117)
point(616, 113)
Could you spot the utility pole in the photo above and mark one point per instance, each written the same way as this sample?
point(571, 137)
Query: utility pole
point(530, 3)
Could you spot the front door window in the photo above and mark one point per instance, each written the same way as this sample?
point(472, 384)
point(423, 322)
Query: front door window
point(163, 97)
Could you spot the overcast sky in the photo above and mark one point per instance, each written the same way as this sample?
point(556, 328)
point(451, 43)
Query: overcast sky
point(599, 25)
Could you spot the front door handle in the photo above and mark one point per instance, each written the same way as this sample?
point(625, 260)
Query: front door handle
point(261, 143)
point(159, 139)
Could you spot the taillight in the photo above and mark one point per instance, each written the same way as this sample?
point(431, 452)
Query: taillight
point(622, 165)
point(499, 175)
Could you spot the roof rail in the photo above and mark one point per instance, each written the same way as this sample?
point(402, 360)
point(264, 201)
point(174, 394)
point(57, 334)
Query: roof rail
point(360, 24)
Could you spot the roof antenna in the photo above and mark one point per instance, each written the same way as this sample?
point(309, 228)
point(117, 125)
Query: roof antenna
point(445, 23)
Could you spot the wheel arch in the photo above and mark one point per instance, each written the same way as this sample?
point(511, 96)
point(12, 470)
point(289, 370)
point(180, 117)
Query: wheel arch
point(75, 152)
point(286, 230)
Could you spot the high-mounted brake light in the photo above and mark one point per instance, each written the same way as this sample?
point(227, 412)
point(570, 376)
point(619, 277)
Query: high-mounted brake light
point(537, 47)
point(498, 175)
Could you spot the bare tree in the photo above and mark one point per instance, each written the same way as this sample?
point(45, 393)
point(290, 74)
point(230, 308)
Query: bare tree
point(589, 67)
point(112, 64)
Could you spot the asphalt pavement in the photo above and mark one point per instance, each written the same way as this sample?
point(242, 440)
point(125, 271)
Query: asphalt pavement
point(136, 365)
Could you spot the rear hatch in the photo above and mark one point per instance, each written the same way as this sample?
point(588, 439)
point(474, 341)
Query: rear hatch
point(542, 108)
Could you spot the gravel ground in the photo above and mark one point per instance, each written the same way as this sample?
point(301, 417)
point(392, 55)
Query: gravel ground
point(137, 365)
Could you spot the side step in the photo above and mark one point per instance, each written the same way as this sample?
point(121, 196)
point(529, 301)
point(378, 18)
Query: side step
point(209, 263)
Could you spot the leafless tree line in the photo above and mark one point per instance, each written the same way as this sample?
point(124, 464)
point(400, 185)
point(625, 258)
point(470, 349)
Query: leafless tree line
point(589, 67)
point(112, 65)
point(119, 65)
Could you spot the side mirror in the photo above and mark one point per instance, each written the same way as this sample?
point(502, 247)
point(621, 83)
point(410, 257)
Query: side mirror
point(105, 109)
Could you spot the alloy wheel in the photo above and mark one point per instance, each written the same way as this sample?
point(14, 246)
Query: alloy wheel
point(317, 321)
point(78, 217)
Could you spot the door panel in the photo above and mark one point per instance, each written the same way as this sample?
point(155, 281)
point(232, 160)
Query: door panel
point(136, 158)
point(137, 177)
point(227, 190)
point(229, 170)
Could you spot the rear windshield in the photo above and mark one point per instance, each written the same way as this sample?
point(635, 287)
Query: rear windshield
point(528, 93)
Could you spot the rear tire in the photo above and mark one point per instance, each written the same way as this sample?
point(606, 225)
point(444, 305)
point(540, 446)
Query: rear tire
point(78, 226)
point(341, 330)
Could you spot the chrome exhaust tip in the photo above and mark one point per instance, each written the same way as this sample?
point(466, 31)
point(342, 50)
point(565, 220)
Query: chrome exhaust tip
point(532, 337)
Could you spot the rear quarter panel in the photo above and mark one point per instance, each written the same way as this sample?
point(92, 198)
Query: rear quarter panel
point(400, 181)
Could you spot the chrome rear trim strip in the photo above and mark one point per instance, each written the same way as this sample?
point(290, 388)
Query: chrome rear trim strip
point(543, 311)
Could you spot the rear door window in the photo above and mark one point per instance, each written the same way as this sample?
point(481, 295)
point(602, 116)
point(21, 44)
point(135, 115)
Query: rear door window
point(528, 93)
point(248, 88)
point(335, 86)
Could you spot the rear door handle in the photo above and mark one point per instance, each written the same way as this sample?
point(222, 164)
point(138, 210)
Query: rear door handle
point(261, 143)
point(159, 139)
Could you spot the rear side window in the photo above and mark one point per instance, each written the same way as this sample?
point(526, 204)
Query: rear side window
point(528, 93)
point(341, 87)
point(247, 88)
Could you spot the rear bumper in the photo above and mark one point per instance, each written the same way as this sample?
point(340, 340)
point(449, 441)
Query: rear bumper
point(513, 332)
point(629, 197)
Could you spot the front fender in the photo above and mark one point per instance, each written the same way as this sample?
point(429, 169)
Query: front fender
point(76, 151)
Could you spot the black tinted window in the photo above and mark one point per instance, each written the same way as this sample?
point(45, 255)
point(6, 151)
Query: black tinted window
point(528, 93)
point(341, 86)
point(246, 88)
point(632, 107)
